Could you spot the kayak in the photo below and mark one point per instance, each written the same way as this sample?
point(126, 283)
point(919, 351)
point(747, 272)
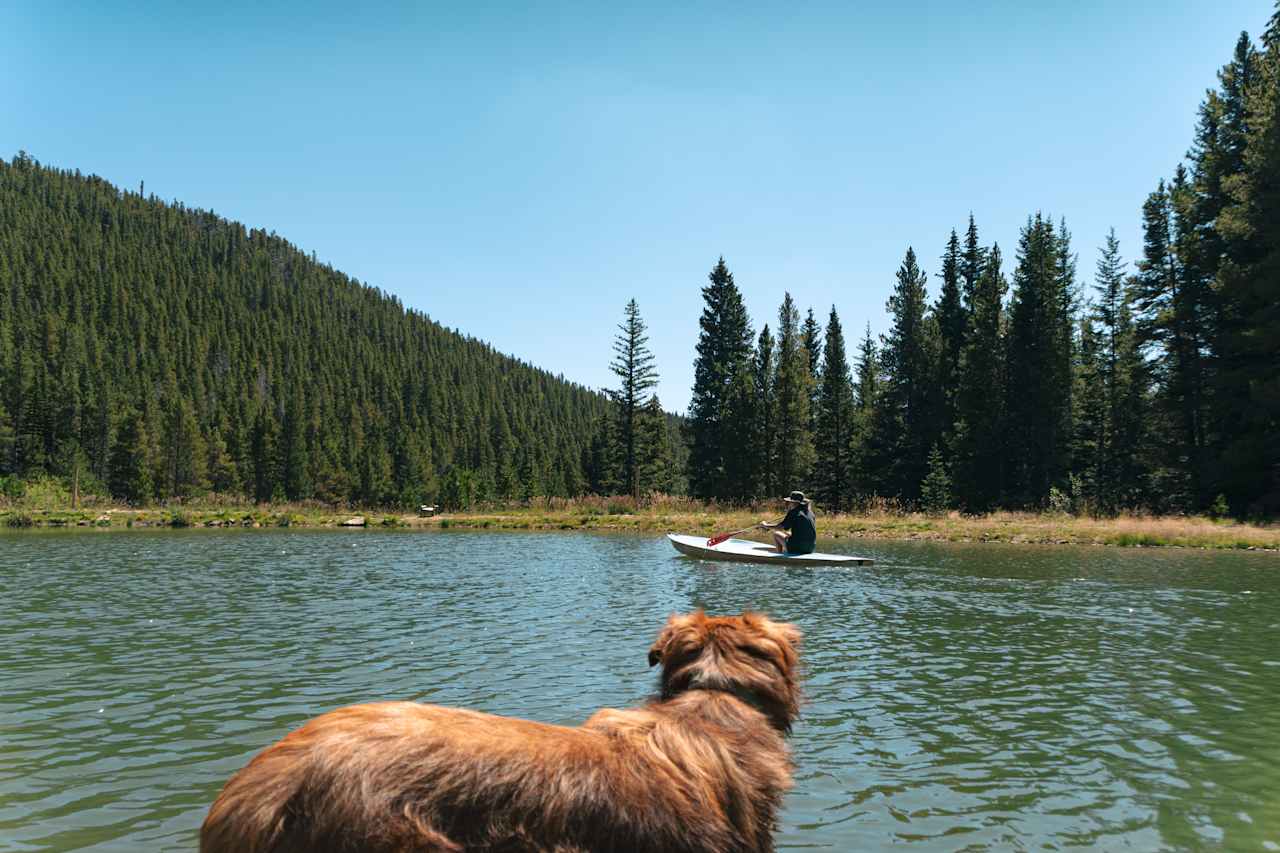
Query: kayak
point(746, 551)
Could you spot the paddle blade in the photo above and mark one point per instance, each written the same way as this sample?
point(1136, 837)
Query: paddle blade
point(716, 540)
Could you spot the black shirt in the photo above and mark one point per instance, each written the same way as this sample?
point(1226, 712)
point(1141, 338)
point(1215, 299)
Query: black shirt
point(804, 532)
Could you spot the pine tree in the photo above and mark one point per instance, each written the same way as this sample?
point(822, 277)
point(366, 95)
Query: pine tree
point(811, 335)
point(863, 468)
point(1248, 388)
point(1166, 324)
point(184, 450)
point(1120, 378)
point(1091, 429)
point(952, 328)
point(658, 465)
point(972, 263)
point(833, 440)
point(935, 489)
point(739, 444)
point(793, 444)
point(724, 345)
point(633, 365)
point(130, 478)
point(1039, 371)
point(266, 466)
point(764, 438)
point(980, 431)
point(6, 442)
point(905, 421)
point(599, 462)
point(294, 452)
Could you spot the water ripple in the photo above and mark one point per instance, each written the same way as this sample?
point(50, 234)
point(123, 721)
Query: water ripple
point(959, 698)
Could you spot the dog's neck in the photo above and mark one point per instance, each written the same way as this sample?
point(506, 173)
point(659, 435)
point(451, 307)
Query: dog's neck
point(748, 697)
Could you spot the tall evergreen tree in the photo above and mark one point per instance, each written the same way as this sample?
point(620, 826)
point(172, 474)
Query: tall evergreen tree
point(184, 450)
point(1248, 385)
point(764, 443)
point(1039, 366)
point(659, 467)
point(833, 439)
point(905, 423)
point(972, 262)
point(1120, 379)
point(864, 473)
point(724, 345)
point(131, 464)
point(633, 365)
point(980, 441)
point(811, 335)
point(950, 312)
point(793, 444)
point(1167, 323)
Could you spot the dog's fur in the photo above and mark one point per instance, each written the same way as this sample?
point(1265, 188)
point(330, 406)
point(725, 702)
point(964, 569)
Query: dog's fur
point(701, 767)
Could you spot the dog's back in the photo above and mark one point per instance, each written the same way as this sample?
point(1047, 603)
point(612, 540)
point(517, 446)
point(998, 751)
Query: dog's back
point(703, 768)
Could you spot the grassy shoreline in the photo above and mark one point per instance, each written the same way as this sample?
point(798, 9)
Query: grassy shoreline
point(624, 515)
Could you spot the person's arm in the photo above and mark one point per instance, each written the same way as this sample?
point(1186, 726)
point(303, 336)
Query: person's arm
point(769, 525)
point(785, 523)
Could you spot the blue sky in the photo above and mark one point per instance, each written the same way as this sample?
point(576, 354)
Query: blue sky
point(519, 171)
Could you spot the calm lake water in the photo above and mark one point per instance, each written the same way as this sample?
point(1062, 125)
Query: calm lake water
point(960, 697)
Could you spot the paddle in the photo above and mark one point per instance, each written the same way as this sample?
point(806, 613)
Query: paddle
point(716, 540)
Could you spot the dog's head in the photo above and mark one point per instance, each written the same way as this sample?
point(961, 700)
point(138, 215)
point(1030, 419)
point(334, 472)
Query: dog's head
point(749, 655)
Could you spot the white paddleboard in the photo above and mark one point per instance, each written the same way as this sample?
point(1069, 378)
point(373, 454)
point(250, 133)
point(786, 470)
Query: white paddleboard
point(746, 551)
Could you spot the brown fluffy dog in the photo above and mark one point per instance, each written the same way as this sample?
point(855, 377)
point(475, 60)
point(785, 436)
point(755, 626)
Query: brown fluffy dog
point(701, 767)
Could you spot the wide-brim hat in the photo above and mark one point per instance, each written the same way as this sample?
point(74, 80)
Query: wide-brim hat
point(797, 497)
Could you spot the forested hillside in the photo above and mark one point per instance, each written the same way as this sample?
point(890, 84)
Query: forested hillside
point(155, 351)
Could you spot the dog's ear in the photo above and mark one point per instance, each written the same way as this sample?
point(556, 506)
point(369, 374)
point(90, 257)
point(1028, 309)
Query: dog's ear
point(783, 633)
point(680, 635)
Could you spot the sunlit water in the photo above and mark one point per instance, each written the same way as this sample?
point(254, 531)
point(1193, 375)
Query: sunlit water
point(959, 697)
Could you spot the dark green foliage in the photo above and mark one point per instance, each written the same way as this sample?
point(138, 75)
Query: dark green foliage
point(175, 352)
point(1170, 309)
point(764, 476)
point(952, 327)
point(659, 451)
point(1248, 382)
point(935, 490)
point(1039, 366)
point(1113, 388)
point(972, 263)
point(833, 439)
point(633, 365)
point(905, 421)
point(131, 465)
point(862, 472)
point(793, 386)
point(978, 470)
point(811, 335)
point(724, 347)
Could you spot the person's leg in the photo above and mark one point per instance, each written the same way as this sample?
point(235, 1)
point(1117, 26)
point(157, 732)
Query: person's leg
point(780, 540)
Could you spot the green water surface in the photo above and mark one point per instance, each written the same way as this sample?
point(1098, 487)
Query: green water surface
point(959, 697)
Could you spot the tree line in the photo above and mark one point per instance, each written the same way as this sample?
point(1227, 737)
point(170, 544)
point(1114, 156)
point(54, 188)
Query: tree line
point(152, 351)
point(1153, 390)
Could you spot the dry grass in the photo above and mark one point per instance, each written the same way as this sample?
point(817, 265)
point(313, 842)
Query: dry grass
point(664, 513)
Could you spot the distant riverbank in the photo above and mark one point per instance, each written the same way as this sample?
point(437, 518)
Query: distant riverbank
point(620, 514)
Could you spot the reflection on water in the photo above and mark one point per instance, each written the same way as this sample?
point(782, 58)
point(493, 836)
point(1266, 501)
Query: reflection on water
point(959, 696)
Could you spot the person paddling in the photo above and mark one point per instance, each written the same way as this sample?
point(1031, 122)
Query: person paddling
point(797, 533)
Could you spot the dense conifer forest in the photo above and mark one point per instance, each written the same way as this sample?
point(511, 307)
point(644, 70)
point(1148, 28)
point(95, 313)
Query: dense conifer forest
point(1024, 384)
point(153, 351)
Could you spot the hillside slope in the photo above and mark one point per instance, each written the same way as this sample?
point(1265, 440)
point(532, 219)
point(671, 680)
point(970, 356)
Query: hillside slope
point(162, 351)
